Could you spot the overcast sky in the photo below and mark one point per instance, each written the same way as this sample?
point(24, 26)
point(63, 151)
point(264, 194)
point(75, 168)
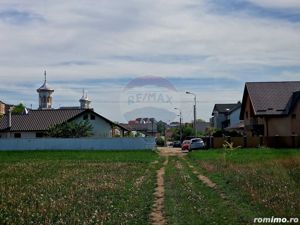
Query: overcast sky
point(208, 47)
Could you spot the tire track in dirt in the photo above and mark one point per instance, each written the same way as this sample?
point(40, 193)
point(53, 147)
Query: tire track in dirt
point(157, 214)
point(208, 182)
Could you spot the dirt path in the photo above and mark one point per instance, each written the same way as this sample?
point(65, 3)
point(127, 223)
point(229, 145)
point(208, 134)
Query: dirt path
point(157, 215)
point(205, 180)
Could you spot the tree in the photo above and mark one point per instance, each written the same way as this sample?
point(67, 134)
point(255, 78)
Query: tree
point(161, 126)
point(71, 130)
point(18, 109)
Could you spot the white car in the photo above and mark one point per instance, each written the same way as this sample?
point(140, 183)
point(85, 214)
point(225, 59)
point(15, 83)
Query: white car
point(197, 143)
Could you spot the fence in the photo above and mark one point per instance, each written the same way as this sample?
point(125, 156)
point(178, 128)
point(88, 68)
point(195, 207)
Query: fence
point(78, 144)
point(253, 142)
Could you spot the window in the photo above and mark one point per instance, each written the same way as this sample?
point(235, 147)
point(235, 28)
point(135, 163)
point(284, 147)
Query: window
point(246, 115)
point(93, 117)
point(17, 135)
point(86, 117)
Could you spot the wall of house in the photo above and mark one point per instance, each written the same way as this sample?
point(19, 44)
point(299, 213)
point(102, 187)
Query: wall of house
point(284, 126)
point(295, 120)
point(248, 113)
point(218, 119)
point(2, 108)
point(101, 128)
point(23, 135)
point(235, 117)
point(277, 126)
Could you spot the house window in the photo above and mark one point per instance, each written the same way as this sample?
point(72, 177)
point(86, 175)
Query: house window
point(247, 115)
point(86, 117)
point(93, 117)
point(17, 135)
point(294, 116)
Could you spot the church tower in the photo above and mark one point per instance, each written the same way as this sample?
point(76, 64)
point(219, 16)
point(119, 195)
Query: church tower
point(45, 92)
point(84, 101)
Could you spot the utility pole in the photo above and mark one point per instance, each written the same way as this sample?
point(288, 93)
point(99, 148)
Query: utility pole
point(180, 123)
point(195, 112)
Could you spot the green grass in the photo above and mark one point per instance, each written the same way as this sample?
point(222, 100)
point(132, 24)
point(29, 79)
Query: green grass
point(189, 201)
point(116, 187)
point(63, 187)
point(268, 180)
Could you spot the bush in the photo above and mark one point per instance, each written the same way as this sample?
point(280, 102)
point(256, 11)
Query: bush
point(160, 141)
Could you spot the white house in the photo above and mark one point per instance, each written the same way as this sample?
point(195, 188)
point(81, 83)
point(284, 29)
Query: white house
point(35, 123)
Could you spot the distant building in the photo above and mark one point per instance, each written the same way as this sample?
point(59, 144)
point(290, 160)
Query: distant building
point(4, 108)
point(271, 108)
point(36, 123)
point(45, 92)
point(225, 115)
point(202, 126)
point(147, 126)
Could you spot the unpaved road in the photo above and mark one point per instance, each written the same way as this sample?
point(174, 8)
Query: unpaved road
point(157, 216)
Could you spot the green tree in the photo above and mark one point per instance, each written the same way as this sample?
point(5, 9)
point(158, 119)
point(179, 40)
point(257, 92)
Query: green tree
point(71, 130)
point(161, 126)
point(18, 109)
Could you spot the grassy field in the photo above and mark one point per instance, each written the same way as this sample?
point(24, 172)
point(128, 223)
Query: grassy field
point(257, 183)
point(63, 187)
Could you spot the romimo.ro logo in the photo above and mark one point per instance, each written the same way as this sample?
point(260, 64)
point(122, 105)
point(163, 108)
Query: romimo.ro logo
point(275, 220)
point(149, 96)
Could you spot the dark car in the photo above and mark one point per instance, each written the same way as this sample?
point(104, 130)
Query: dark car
point(176, 144)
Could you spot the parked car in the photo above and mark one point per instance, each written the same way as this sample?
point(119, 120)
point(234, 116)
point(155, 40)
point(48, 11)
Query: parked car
point(176, 144)
point(196, 143)
point(185, 145)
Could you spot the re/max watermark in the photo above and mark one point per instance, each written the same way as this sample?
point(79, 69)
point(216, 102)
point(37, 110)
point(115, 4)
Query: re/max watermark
point(276, 220)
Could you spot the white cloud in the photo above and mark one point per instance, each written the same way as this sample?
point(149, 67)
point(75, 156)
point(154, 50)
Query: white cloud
point(125, 39)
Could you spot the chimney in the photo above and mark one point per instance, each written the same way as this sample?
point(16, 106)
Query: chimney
point(9, 117)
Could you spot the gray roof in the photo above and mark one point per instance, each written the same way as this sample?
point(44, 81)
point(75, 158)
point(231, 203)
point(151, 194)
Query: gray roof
point(42, 120)
point(39, 120)
point(226, 108)
point(271, 98)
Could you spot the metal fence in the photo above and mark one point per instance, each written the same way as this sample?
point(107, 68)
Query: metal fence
point(253, 142)
point(147, 143)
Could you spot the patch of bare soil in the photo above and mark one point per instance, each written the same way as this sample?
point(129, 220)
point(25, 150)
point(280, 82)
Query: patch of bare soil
point(205, 180)
point(169, 151)
point(157, 215)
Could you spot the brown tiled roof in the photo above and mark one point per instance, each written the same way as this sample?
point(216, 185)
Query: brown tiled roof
point(272, 98)
point(39, 120)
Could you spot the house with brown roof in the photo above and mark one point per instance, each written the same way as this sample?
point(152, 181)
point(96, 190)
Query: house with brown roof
point(271, 108)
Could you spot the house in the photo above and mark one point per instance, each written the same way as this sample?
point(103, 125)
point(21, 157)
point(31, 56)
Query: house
point(36, 123)
point(4, 108)
point(147, 126)
point(271, 108)
point(225, 115)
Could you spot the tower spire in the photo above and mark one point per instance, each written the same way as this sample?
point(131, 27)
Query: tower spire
point(45, 74)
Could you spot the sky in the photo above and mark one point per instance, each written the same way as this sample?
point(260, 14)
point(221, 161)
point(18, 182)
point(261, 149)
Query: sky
point(207, 47)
